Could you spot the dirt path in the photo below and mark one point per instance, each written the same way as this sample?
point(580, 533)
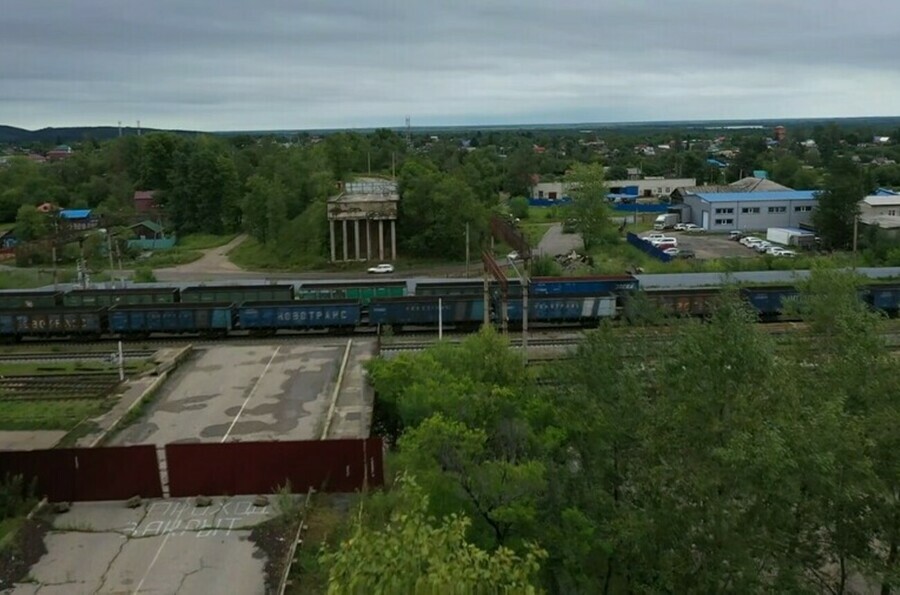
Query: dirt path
point(214, 260)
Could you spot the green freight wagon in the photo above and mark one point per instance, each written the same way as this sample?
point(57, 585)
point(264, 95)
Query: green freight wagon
point(236, 294)
point(362, 292)
point(132, 296)
point(30, 299)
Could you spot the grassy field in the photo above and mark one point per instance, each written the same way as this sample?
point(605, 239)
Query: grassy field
point(250, 254)
point(29, 278)
point(327, 526)
point(49, 414)
point(203, 241)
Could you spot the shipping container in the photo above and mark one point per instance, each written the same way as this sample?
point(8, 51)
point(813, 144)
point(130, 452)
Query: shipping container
point(419, 311)
point(682, 302)
point(30, 299)
point(56, 321)
point(125, 296)
point(171, 318)
point(885, 297)
point(299, 315)
point(362, 292)
point(598, 285)
point(236, 294)
point(586, 308)
point(770, 301)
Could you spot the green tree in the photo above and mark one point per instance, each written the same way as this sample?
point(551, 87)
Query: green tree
point(416, 553)
point(31, 224)
point(838, 204)
point(518, 206)
point(589, 207)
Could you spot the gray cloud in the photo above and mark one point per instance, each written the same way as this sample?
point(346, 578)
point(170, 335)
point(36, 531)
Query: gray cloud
point(222, 64)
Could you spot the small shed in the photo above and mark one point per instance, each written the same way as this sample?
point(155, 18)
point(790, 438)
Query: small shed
point(147, 230)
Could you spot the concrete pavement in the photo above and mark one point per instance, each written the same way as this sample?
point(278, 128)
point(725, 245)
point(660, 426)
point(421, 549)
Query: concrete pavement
point(556, 242)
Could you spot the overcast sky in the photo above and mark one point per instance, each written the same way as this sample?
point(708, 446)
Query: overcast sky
point(294, 64)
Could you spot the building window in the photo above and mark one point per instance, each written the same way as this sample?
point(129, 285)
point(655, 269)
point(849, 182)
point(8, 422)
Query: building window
point(724, 221)
point(552, 195)
point(750, 210)
point(892, 213)
point(540, 194)
point(805, 209)
point(777, 209)
point(724, 211)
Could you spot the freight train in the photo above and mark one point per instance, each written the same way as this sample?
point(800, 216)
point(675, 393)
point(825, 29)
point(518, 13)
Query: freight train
point(219, 310)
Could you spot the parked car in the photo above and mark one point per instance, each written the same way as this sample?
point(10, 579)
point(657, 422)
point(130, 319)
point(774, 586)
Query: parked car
point(653, 236)
point(680, 226)
point(735, 234)
point(672, 251)
point(664, 240)
point(787, 253)
point(691, 228)
point(747, 240)
point(685, 253)
point(774, 250)
point(381, 269)
point(762, 246)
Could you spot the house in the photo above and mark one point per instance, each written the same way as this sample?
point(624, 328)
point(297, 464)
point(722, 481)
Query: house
point(725, 211)
point(147, 230)
point(884, 202)
point(78, 219)
point(60, 152)
point(145, 201)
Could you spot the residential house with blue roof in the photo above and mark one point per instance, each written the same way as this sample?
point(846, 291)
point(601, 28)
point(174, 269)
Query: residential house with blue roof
point(724, 211)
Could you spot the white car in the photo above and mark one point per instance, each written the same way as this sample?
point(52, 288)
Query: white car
point(664, 240)
point(692, 228)
point(786, 253)
point(653, 236)
point(762, 246)
point(672, 251)
point(513, 255)
point(747, 240)
point(681, 226)
point(381, 269)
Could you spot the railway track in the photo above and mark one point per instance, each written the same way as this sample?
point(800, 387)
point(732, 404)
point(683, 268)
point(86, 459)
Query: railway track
point(68, 386)
point(98, 356)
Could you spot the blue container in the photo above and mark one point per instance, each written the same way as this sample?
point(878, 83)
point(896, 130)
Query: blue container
point(582, 285)
point(424, 311)
point(769, 300)
point(171, 318)
point(52, 322)
point(563, 309)
point(885, 297)
point(299, 315)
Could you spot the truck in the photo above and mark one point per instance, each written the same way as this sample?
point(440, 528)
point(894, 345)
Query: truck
point(666, 221)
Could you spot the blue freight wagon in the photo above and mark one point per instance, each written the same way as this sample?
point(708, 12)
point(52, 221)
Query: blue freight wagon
point(236, 294)
point(770, 301)
point(423, 311)
point(467, 287)
point(598, 285)
point(885, 297)
point(298, 315)
point(206, 319)
point(587, 308)
point(47, 322)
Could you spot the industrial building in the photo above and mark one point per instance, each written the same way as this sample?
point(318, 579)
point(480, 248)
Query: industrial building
point(649, 187)
point(362, 219)
point(725, 211)
point(882, 210)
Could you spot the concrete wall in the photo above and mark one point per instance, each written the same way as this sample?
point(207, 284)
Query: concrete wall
point(866, 209)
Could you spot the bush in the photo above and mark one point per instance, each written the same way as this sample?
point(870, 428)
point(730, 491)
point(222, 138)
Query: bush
point(545, 266)
point(144, 275)
point(518, 206)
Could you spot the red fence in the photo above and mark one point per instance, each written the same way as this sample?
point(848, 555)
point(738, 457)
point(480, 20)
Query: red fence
point(263, 467)
point(81, 474)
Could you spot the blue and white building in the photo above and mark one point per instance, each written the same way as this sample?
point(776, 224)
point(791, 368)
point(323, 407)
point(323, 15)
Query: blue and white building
point(724, 211)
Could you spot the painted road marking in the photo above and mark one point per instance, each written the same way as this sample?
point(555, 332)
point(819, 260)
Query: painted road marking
point(156, 556)
point(252, 390)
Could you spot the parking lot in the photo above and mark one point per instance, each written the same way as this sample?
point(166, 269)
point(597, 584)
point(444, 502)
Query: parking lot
point(709, 246)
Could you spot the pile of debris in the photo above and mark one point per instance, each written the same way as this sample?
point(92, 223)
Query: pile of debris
point(573, 260)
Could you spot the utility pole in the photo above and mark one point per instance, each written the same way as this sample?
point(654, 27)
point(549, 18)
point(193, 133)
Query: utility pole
point(440, 319)
point(112, 265)
point(467, 249)
point(855, 232)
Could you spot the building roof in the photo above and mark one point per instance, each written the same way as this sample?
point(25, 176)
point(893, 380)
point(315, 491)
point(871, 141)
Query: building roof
point(75, 213)
point(885, 192)
point(882, 221)
point(877, 200)
point(757, 184)
point(151, 225)
point(757, 196)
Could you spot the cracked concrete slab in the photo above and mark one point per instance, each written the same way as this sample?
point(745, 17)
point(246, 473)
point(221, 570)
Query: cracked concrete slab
point(164, 546)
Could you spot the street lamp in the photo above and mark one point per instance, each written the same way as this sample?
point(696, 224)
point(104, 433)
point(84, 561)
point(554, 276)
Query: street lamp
point(524, 277)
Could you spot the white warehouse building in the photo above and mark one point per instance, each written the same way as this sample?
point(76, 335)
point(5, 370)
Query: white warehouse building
point(724, 211)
